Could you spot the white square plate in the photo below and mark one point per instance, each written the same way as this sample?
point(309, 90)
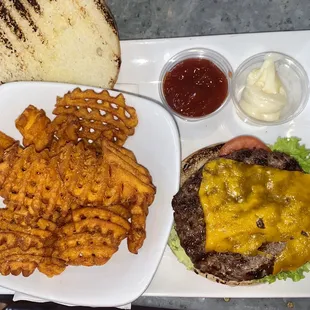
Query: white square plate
point(126, 276)
point(146, 59)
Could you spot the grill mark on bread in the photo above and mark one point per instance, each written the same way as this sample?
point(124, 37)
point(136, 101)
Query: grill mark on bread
point(111, 82)
point(10, 22)
point(118, 61)
point(24, 13)
point(35, 6)
point(4, 40)
point(107, 14)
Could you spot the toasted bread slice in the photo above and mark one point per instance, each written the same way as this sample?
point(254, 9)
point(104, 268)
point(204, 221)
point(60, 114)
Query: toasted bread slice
point(73, 41)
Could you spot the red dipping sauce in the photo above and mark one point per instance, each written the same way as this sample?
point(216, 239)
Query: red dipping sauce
point(195, 87)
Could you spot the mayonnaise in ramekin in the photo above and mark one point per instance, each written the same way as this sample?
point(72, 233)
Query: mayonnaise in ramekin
point(264, 96)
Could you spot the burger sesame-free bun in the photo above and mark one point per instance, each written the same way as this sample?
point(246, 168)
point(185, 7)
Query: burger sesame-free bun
point(73, 41)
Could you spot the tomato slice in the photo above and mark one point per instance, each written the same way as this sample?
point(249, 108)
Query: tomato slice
point(242, 142)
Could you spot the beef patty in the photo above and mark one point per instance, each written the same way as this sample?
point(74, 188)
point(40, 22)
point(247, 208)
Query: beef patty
point(191, 228)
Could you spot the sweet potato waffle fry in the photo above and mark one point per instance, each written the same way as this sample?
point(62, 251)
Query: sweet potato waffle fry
point(91, 237)
point(12, 215)
point(72, 192)
point(34, 126)
point(5, 141)
point(25, 264)
point(113, 177)
point(33, 187)
point(99, 114)
point(8, 158)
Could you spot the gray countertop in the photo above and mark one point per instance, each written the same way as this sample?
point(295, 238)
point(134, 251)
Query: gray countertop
point(150, 19)
point(145, 19)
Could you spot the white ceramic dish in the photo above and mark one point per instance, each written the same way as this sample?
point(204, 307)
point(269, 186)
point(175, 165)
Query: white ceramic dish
point(146, 59)
point(126, 276)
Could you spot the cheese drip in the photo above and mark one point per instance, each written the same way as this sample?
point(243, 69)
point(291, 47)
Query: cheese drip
point(246, 206)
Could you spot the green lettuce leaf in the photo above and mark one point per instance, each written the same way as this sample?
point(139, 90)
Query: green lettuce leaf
point(293, 147)
point(178, 251)
point(296, 275)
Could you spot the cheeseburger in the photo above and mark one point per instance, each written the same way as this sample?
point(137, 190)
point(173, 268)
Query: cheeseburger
point(242, 213)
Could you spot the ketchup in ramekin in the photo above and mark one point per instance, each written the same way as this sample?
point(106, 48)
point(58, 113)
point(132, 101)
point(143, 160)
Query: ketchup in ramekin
point(195, 83)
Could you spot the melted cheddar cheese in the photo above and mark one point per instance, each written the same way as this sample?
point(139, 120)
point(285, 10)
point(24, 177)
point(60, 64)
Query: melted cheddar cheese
point(246, 206)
